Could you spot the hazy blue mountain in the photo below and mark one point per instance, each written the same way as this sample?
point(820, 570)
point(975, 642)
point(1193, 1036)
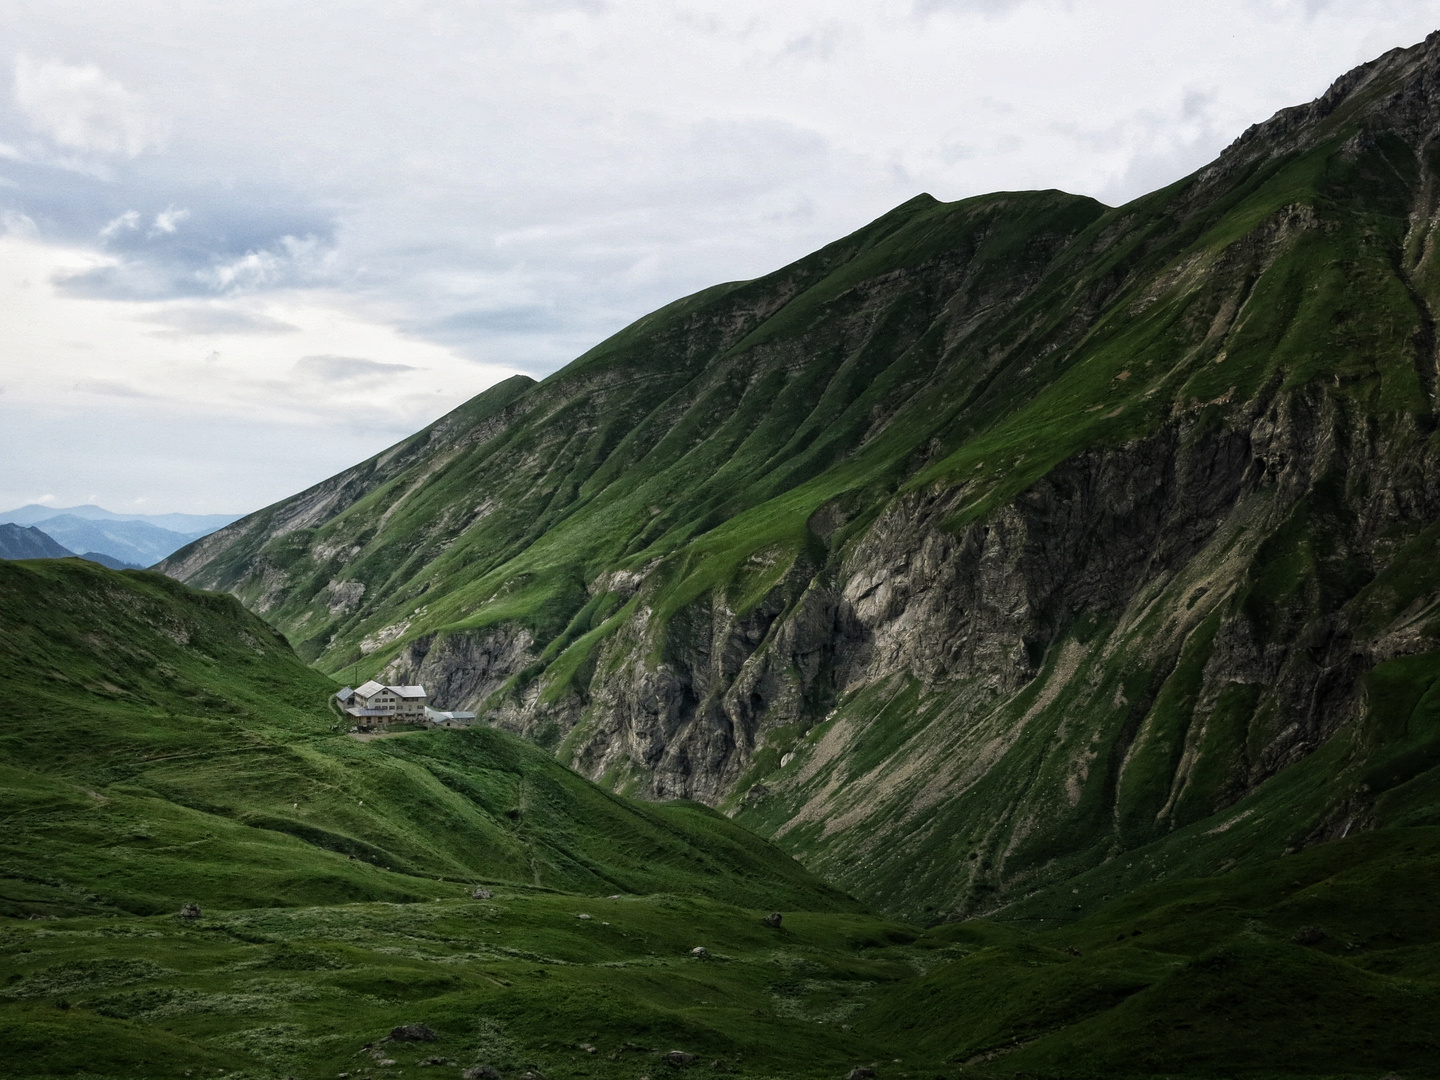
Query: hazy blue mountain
point(193, 525)
point(110, 561)
point(138, 543)
point(20, 542)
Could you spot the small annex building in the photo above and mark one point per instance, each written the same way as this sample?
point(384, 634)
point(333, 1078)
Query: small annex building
point(373, 703)
point(449, 718)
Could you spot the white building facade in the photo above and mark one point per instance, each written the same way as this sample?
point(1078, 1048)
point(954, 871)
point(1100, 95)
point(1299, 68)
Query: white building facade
point(373, 704)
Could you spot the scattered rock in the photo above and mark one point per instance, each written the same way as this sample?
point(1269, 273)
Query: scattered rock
point(678, 1058)
point(862, 1072)
point(481, 894)
point(481, 1072)
point(411, 1033)
point(1073, 951)
point(436, 1061)
point(587, 1048)
point(582, 915)
point(773, 919)
point(615, 897)
point(1310, 935)
point(700, 952)
point(190, 911)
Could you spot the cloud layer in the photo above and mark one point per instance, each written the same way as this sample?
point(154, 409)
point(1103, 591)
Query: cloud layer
point(78, 107)
point(223, 212)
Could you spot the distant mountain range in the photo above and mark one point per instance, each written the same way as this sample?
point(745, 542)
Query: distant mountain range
point(115, 540)
point(28, 542)
point(192, 524)
point(110, 561)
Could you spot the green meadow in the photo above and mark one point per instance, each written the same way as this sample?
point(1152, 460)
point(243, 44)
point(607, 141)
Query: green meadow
point(175, 751)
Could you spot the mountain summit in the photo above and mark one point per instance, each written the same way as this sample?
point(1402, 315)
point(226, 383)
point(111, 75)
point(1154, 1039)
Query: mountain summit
point(1004, 542)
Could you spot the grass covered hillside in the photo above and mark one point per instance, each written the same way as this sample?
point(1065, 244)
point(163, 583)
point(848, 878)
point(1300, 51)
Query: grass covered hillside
point(1000, 543)
point(173, 750)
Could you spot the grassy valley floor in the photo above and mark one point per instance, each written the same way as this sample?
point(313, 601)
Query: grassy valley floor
point(1323, 964)
point(557, 985)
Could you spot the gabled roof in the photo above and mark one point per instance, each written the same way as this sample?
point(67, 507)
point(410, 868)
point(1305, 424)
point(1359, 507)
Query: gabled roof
point(345, 693)
point(438, 715)
point(408, 691)
point(369, 689)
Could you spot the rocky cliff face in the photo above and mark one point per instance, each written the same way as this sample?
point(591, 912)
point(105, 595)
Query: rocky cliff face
point(1002, 543)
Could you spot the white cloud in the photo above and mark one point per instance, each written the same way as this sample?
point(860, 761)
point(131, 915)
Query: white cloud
point(298, 259)
point(221, 317)
point(79, 108)
point(262, 388)
point(14, 223)
point(109, 388)
point(347, 368)
point(126, 222)
point(982, 7)
point(169, 219)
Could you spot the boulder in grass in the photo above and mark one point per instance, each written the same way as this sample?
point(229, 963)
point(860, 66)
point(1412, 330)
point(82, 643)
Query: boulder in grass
point(862, 1072)
point(773, 919)
point(481, 894)
point(412, 1033)
point(700, 952)
point(678, 1058)
point(481, 1072)
point(190, 911)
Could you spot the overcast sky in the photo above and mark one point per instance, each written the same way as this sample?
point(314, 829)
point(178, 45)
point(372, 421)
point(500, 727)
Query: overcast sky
point(245, 245)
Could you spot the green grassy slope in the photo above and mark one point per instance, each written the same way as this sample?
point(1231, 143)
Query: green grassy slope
point(1322, 963)
point(1000, 544)
point(173, 748)
point(505, 510)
